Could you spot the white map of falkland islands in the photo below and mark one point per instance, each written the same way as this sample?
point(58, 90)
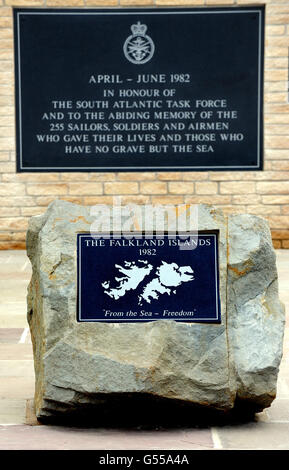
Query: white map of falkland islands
point(168, 276)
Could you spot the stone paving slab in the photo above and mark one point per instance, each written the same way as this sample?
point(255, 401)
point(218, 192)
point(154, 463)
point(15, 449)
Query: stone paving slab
point(66, 438)
point(16, 351)
point(12, 412)
point(19, 268)
point(10, 335)
point(279, 411)
point(282, 387)
point(13, 276)
point(17, 368)
point(13, 290)
point(16, 388)
point(257, 436)
point(12, 308)
point(11, 320)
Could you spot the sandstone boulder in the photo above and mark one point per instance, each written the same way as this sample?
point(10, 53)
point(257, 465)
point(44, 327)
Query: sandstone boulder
point(84, 365)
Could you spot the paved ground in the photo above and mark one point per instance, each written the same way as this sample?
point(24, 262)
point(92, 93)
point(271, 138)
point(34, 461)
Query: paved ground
point(269, 430)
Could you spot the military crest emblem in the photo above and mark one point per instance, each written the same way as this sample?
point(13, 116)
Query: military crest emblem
point(138, 47)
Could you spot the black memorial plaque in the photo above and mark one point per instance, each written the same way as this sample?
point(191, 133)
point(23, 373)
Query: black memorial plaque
point(139, 89)
point(135, 279)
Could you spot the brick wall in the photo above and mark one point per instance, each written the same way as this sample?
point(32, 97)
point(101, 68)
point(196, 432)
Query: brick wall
point(262, 193)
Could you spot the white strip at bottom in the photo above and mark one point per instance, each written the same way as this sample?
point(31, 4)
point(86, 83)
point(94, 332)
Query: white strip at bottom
point(216, 439)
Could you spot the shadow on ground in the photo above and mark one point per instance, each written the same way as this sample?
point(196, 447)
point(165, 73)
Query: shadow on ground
point(146, 412)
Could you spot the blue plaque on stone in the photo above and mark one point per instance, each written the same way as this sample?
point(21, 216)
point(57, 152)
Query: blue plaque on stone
point(137, 279)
